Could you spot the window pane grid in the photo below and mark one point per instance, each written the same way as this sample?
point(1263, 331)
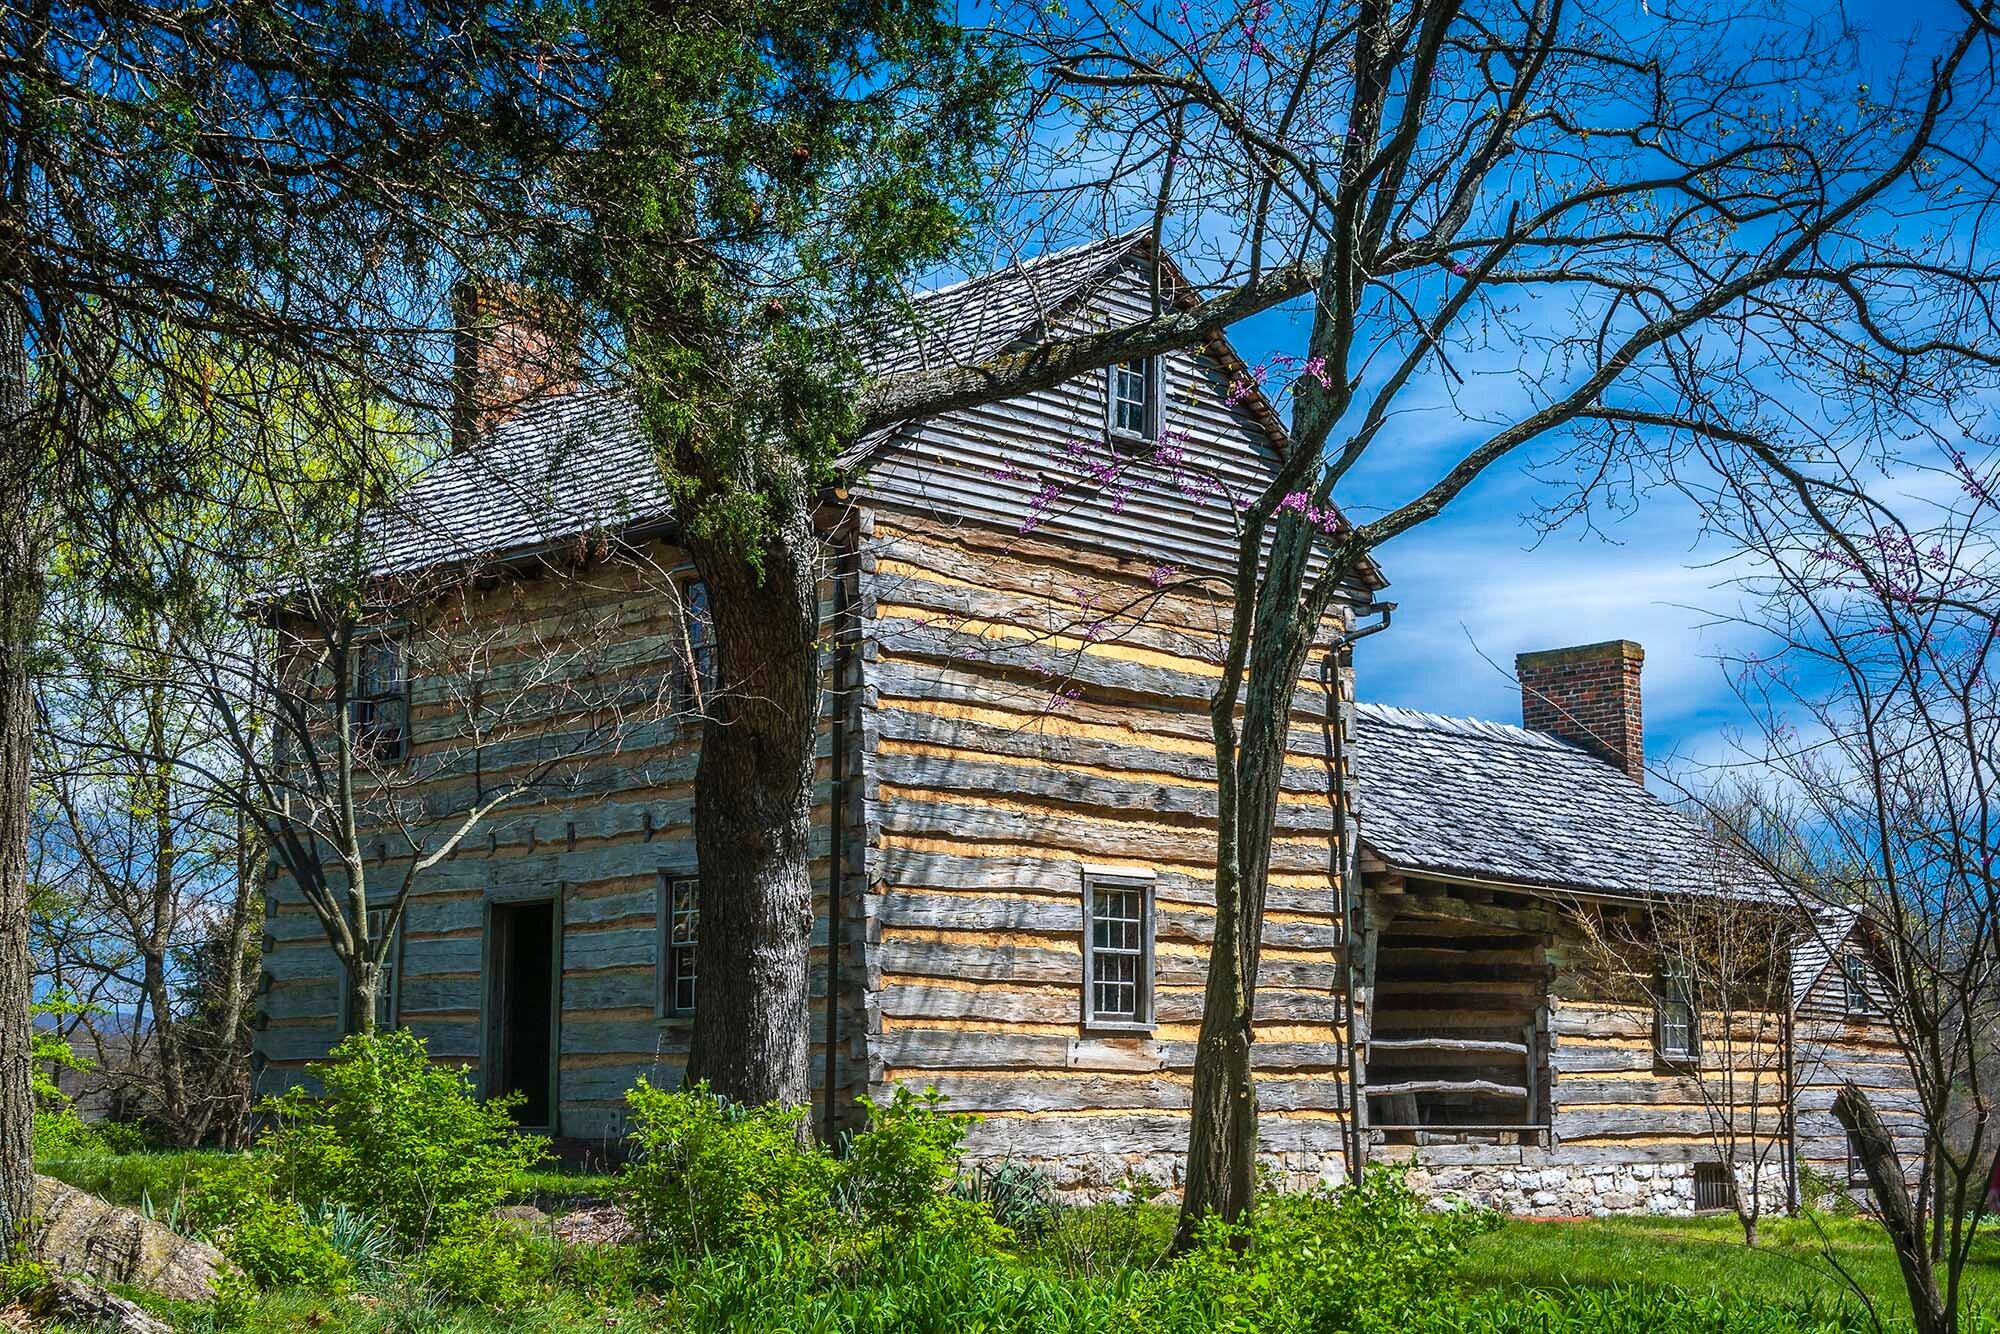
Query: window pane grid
point(1677, 1014)
point(1131, 397)
point(1853, 975)
point(683, 929)
point(1117, 953)
point(700, 642)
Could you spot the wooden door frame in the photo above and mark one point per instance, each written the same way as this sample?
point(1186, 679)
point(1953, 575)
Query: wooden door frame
point(490, 981)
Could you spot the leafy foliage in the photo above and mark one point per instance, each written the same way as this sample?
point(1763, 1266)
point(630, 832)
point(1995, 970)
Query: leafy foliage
point(399, 1138)
point(713, 1176)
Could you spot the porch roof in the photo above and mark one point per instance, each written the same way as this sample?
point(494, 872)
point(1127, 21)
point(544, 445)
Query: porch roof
point(1482, 800)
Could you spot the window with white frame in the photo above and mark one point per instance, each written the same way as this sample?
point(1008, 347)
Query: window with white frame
point(385, 977)
point(680, 927)
point(1677, 1022)
point(1133, 408)
point(698, 672)
point(1857, 1171)
point(1118, 950)
point(377, 703)
point(1854, 985)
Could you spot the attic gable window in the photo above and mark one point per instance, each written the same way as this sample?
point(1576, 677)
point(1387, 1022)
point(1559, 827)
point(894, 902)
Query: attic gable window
point(1854, 985)
point(378, 705)
point(1132, 410)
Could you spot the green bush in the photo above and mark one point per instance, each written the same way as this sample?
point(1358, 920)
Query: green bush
point(1370, 1257)
point(406, 1142)
point(902, 1169)
point(708, 1175)
point(492, 1265)
point(235, 1202)
point(277, 1245)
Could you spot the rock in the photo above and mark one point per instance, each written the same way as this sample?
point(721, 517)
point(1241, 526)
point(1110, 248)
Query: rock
point(84, 1235)
point(527, 1215)
point(68, 1302)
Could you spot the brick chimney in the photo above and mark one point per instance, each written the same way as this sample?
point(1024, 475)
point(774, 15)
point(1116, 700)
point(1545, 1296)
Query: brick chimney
point(509, 347)
point(1589, 695)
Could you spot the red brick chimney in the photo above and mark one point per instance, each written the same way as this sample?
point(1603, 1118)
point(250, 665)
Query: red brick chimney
point(509, 348)
point(1589, 695)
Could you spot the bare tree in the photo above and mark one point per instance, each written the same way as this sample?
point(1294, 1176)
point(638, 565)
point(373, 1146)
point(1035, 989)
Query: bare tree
point(1871, 573)
point(1540, 226)
point(1712, 973)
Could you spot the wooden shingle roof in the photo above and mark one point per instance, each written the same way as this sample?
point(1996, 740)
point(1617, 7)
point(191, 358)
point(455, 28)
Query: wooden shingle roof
point(566, 466)
point(1486, 801)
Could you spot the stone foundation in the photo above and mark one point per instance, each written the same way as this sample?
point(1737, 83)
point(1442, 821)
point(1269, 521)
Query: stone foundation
point(1540, 1183)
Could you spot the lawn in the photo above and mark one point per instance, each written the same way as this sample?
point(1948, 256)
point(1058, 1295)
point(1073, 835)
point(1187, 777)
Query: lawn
point(1707, 1254)
point(1565, 1262)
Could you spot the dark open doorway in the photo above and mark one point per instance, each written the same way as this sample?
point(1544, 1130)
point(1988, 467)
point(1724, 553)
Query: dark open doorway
point(521, 1033)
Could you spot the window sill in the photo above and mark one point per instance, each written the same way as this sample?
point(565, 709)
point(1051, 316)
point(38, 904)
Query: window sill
point(1664, 1063)
point(1118, 1027)
point(1133, 441)
point(674, 1020)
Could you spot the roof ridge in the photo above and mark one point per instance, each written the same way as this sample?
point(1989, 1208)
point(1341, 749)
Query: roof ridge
point(1017, 266)
point(1511, 733)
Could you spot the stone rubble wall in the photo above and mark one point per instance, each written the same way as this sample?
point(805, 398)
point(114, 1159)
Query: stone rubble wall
point(1586, 1190)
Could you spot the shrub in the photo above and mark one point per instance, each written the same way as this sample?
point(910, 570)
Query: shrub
point(407, 1142)
point(708, 1175)
point(491, 1265)
point(902, 1170)
point(1370, 1257)
point(277, 1245)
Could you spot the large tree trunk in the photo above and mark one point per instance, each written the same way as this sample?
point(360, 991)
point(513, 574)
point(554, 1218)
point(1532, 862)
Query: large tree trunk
point(20, 609)
point(1222, 1135)
point(753, 815)
point(1900, 1219)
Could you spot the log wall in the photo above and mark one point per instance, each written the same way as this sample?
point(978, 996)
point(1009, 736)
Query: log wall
point(601, 855)
point(1836, 1047)
point(1021, 734)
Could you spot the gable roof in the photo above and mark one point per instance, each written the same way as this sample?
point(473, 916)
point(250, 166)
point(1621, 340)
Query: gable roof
point(556, 470)
point(1828, 930)
point(1482, 800)
point(563, 467)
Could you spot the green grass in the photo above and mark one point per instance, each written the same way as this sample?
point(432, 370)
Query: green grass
point(1707, 1255)
point(131, 1179)
point(1559, 1262)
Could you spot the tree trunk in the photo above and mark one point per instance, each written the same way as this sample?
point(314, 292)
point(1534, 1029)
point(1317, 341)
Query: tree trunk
point(1900, 1219)
point(753, 815)
point(21, 588)
point(1222, 1134)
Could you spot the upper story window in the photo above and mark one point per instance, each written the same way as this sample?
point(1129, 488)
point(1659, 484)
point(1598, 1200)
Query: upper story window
point(1118, 950)
point(1854, 985)
point(699, 670)
point(377, 705)
point(1676, 1021)
point(1133, 406)
point(680, 927)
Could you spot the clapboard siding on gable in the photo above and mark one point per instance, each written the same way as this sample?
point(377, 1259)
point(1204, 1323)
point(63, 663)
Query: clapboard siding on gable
point(1043, 460)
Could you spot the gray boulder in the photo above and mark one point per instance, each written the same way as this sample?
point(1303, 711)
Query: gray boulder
point(83, 1235)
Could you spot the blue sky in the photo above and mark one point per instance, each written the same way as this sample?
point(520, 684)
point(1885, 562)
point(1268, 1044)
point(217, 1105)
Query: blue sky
point(1482, 582)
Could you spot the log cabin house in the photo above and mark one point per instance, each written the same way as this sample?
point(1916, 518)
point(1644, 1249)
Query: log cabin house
point(1014, 825)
